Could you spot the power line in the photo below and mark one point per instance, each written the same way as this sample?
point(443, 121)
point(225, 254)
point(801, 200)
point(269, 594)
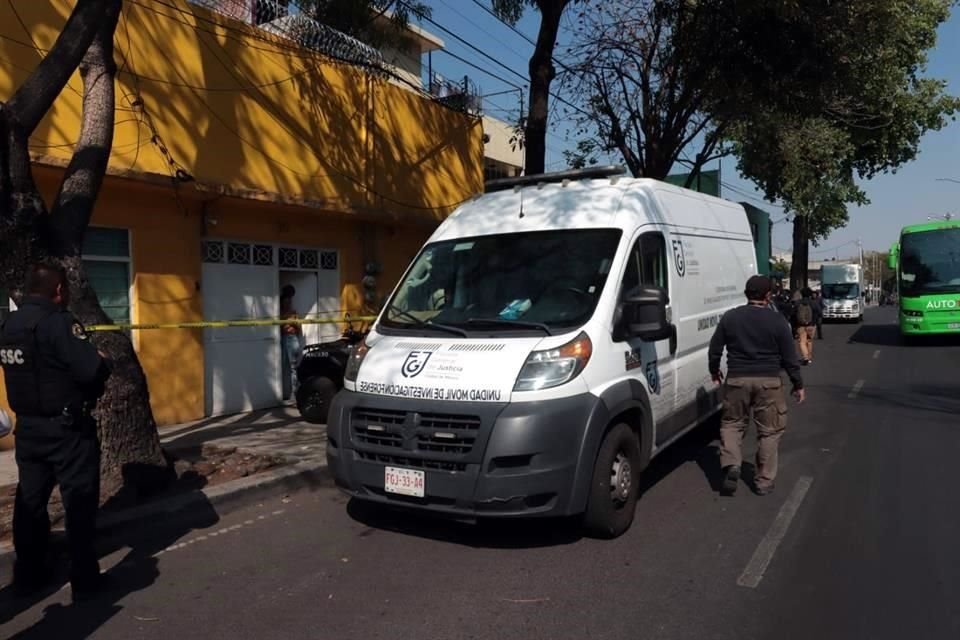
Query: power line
point(510, 26)
point(474, 48)
point(460, 13)
point(500, 64)
point(479, 68)
point(519, 33)
point(832, 249)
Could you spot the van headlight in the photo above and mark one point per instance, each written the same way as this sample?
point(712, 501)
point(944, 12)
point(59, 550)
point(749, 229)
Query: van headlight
point(553, 367)
point(354, 361)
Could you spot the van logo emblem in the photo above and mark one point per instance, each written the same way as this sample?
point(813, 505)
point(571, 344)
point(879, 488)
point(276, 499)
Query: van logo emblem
point(415, 363)
point(678, 257)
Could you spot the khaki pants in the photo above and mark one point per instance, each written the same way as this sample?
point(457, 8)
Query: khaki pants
point(805, 336)
point(766, 397)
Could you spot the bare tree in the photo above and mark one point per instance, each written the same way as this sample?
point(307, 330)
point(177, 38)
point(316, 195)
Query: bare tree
point(542, 74)
point(809, 96)
point(131, 452)
point(647, 99)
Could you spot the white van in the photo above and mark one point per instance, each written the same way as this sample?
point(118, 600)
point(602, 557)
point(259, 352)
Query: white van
point(548, 341)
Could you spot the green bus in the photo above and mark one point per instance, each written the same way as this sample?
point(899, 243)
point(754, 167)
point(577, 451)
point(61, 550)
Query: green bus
point(926, 261)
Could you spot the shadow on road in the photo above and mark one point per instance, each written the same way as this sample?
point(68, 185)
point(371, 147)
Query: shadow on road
point(136, 571)
point(529, 533)
point(923, 397)
point(888, 335)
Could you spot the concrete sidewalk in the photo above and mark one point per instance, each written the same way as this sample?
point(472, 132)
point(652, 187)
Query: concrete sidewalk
point(277, 431)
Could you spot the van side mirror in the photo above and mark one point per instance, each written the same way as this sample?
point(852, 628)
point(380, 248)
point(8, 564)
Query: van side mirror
point(643, 314)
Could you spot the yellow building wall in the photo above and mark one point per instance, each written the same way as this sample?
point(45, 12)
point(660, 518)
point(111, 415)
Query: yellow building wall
point(373, 167)
point(234, 105)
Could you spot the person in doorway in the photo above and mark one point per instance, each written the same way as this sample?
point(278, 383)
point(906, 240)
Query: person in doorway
point(805, 315)
point(54, 377)
point(758, 346)
point(818, 300)
point(290, 334)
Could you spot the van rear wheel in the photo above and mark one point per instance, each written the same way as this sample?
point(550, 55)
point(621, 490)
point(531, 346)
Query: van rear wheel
point(616, 484)
point(314, 397)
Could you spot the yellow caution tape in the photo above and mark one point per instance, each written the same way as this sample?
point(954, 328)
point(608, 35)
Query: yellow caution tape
point(224, 324)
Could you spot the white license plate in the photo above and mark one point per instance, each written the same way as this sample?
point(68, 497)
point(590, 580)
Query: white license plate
point(407, 482)
point(953, 325)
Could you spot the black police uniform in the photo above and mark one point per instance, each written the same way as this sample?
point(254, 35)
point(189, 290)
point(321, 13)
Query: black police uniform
point(53, 376)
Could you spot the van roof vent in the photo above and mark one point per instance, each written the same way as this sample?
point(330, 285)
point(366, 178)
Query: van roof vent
point(541, 179)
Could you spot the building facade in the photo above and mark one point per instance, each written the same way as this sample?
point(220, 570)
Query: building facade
point(243, 161)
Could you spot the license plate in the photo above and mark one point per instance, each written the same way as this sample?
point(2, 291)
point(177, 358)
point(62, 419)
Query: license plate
point(407, 482)
point(953, 325)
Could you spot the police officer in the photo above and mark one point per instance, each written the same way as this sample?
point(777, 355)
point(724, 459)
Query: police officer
point(53, 376)
point(759, 345)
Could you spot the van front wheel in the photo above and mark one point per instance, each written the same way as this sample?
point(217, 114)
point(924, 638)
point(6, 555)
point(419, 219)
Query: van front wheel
point(615, 486)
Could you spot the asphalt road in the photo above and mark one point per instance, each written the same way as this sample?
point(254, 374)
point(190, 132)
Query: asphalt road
point(860, 540)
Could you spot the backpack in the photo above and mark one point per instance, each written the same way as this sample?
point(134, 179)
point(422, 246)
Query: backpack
point(804, 313)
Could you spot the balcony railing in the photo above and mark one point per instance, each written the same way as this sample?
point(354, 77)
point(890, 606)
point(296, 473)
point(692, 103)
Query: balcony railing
point(462, 96)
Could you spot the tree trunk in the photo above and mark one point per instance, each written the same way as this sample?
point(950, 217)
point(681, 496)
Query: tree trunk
point(130, 446)
point(801, 254)
point(542, 73)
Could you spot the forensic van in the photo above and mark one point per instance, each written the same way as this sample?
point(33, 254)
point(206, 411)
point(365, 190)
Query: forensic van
point(547, 342)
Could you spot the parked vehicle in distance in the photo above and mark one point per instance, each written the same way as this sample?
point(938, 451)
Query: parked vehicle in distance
point(320, 374)
point(927, 265)
point(842, 291)
point(548, 341)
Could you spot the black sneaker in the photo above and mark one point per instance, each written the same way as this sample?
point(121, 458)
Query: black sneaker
point(731, 480)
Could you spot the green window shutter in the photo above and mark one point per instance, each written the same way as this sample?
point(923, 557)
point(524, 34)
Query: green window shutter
point(107, 243)
point(111, 282)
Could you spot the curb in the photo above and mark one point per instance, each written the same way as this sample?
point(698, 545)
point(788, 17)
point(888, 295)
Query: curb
point(224, 498)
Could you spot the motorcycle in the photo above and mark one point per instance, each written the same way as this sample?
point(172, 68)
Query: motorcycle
point(320, 374)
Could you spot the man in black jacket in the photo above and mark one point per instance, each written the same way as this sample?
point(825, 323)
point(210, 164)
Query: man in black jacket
point(759, 345)
point(53, 376)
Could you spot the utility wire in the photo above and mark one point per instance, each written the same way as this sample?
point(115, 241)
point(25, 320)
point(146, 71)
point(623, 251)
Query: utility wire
point(493, 37)
point(498, 63)
point(836, 248)
point(519, 33)
point(479, 68)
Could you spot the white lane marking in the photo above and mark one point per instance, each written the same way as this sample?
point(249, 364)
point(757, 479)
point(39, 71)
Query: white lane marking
point(856, 389)
point(876, 354)
point(758, 564)
point(213, 534)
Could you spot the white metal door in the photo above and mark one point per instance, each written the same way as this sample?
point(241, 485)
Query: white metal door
point(242, 364)
point(328, 303)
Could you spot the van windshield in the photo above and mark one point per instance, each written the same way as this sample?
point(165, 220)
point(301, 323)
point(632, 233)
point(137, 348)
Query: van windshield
point(534, 281)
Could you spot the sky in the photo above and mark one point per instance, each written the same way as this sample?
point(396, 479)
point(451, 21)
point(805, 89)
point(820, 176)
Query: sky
point(905, 197)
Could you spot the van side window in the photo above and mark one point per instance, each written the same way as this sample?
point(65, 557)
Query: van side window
point(647, 264)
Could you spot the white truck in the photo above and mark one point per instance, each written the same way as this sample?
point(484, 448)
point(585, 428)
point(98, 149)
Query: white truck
point(842, 292)
point(549, 340)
